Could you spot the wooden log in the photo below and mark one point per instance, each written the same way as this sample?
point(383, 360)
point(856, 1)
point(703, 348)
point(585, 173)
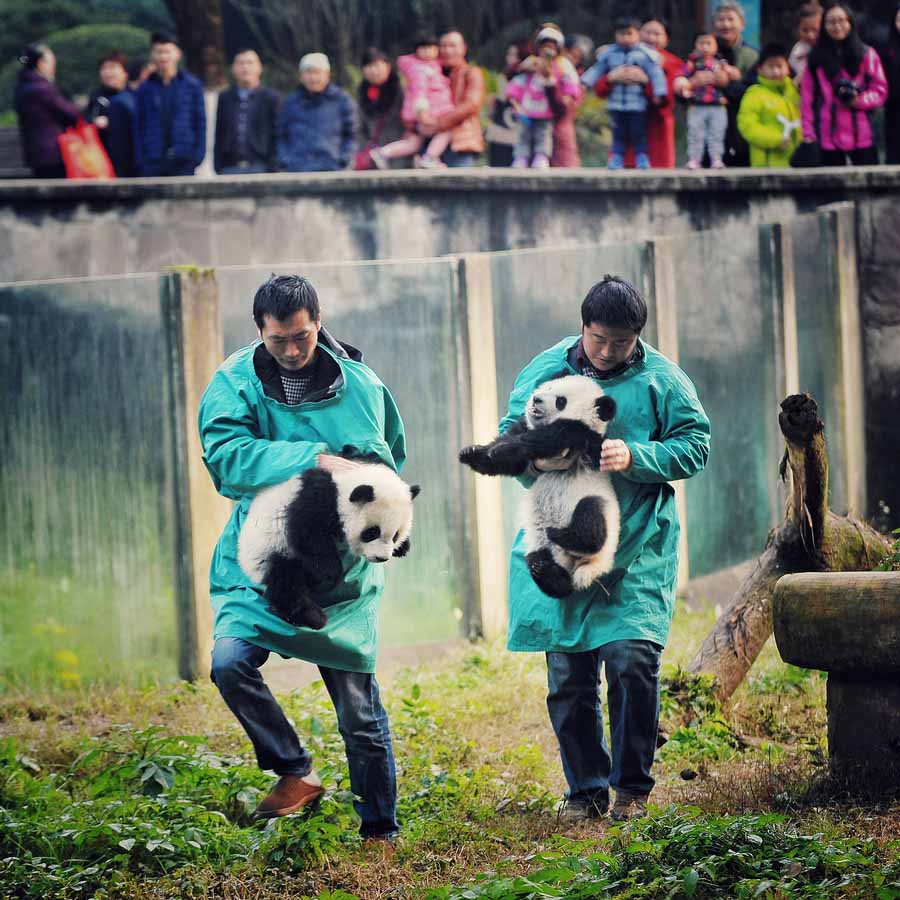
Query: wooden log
point(811, 538)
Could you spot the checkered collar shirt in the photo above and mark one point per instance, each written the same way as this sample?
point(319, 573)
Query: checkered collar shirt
point(296, 383)
point(585, 367)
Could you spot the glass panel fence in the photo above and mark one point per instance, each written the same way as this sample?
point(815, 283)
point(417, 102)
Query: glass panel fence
point(726, 344)
point(86, 568)
point(818, 337)
point(405, 316)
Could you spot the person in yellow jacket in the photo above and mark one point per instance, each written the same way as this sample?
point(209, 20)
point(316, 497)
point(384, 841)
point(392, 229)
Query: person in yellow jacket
point(769, 117)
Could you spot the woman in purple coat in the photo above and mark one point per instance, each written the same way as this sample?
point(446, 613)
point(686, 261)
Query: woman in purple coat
point(44, 113)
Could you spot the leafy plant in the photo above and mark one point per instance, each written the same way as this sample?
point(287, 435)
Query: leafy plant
point(891, 562)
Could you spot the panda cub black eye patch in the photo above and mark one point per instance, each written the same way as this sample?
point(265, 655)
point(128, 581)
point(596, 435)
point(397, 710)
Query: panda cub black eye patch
point(372, 533)
point(561, 403)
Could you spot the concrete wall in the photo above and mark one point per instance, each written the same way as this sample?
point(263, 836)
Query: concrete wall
point(50, 230)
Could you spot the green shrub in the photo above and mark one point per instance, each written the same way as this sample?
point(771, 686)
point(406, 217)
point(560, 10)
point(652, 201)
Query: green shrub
point(78, 50)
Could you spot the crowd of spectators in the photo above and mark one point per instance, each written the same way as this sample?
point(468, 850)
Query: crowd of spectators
point(806, 105)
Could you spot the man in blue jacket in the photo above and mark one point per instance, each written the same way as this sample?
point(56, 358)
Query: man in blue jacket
point(318, 122)
point(169, 115)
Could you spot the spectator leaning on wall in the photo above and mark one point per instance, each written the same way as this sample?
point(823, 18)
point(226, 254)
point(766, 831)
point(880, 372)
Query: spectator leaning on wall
point(317, 130)
point(247, 121)
point(169, 115)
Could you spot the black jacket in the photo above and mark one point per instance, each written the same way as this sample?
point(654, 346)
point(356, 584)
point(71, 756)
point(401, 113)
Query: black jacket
point(262, 129)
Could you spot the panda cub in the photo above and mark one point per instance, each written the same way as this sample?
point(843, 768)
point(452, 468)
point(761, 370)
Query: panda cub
point(572, 524)
point(289, 542)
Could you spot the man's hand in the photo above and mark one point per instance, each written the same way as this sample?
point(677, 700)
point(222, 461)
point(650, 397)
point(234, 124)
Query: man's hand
point(733, 73)
point(555, 463)
point(628, 75)
point(335, 464)
point(703, 78)
point(615, 456)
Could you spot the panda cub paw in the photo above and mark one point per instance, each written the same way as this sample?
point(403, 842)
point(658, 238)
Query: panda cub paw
point(311, 616)
point(548, 574)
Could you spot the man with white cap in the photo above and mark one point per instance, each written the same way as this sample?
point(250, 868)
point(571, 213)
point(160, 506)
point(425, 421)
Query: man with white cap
point(318, 122)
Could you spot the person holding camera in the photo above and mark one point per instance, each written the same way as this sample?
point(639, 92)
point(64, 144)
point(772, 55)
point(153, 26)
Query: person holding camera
point(844, 81)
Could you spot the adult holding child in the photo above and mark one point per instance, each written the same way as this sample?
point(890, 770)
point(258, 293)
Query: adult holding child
point(659, 434)
point(729, 22)
point(467, 89)
point(844, 81)
point(655, 36)
point(547, 82)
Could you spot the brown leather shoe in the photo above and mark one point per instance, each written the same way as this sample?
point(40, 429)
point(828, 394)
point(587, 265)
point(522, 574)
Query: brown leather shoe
point(291, 792)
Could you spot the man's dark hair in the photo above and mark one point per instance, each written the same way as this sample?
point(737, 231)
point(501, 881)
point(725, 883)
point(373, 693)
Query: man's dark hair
point(163, 37)
point(627, 23)
point(241, 50)
point(135, 66)
point(773, 50)
point(282, 296)
point(615, 303)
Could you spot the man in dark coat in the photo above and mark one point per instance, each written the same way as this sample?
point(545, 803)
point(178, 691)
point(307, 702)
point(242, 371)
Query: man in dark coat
point(169, 115)
point(247, 121)
point(317, 129)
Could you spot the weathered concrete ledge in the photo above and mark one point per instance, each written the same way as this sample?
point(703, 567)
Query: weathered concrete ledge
point(478, 179)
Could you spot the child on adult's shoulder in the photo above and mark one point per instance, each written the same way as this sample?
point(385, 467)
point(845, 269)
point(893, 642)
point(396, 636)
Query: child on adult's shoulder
point(809, 23)
point(427, 96)
point(769, 115)
point(531, 92)
point(627, 103)
point(707, 119)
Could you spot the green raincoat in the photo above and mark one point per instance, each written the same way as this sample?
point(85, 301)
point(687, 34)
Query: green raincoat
point(661, 420)
point(251, 441)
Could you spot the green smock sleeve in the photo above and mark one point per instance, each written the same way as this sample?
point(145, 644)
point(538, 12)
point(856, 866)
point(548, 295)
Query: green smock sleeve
point(682, 449)
point(239, 460)
point(394, 432)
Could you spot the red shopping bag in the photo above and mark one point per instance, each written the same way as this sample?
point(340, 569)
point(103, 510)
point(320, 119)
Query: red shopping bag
point(83, 153)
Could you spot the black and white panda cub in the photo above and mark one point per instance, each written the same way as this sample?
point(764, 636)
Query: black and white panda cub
point(289, 542)
point(572, 522)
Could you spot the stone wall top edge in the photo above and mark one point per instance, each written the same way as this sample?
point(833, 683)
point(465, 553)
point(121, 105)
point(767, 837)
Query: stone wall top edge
point(496, 180)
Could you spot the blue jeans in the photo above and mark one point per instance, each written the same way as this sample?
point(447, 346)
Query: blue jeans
point(456, 160)
point(632, 675)
point(535, 136)
point(362, 721)
point(629, 129)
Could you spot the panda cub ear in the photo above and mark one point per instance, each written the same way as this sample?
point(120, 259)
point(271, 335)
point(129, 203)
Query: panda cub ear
point(414, 489)
point(362, 493)
point(606, 408)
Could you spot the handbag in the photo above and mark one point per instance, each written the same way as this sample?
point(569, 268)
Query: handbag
point(362, 159)
point(83, 153)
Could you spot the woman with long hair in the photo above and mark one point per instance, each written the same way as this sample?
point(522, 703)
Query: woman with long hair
point(890, 60)
point(44, 113)
point(380, 102)
point(843, 82)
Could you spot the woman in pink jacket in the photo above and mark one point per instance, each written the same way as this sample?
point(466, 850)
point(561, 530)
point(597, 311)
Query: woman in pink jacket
point(843, 81)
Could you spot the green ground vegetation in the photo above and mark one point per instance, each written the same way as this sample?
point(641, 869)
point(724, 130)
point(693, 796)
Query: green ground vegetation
point(148, 792)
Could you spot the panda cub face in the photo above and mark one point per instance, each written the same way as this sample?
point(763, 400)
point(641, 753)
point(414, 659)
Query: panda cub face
point(573, 397)
point(375, 508)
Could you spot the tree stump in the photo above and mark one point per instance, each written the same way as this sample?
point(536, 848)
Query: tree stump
point(811, 538)
point(848, 625)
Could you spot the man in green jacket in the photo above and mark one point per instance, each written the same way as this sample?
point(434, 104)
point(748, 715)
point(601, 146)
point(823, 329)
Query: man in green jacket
point(660, 433)
point(272, 410)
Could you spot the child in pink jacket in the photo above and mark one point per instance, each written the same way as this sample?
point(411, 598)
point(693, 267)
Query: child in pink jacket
point(843, 82)
point(427, 94)
point(531, 94)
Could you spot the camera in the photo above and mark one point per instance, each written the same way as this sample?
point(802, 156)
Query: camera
point(846, 90)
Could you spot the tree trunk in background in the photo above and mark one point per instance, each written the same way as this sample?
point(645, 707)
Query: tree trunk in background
point(811, 538)
point(199, 24)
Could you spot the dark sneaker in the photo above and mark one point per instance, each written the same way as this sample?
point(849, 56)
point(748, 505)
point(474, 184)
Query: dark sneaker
point(291, 792)
point(574, 812)
point(628, 807)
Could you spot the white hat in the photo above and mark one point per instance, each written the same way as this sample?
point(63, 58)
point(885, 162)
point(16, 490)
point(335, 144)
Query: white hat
point(551, 34)
point(315, 61)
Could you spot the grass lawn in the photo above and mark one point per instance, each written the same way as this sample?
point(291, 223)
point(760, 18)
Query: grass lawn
point(148, 792)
